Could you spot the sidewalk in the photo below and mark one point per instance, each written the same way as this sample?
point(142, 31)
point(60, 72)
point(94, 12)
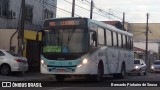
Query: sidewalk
point(27, 76)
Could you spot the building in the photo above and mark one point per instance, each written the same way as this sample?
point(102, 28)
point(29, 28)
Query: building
point(140, 53)
point(36, 11)
point(139, 30)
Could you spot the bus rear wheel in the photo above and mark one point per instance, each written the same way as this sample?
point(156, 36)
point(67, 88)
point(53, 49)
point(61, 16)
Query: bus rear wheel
point(122, 74)
point(123, 71)
point(60, 77)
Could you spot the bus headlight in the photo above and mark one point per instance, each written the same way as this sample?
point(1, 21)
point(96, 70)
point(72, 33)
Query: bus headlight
point(136, 67)
point(85, 61)
point(43, 63)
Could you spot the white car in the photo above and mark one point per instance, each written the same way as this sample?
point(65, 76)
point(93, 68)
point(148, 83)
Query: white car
point(139, 67)
point(155, 67)
point(11, 62)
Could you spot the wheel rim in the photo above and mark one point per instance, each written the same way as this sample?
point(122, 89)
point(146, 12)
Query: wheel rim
point(5, 70)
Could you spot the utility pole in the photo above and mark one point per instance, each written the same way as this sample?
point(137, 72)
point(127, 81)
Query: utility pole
point(147, 40)
point(21, 31)
point(73, 8)
point(123, 21)
point(91, 10)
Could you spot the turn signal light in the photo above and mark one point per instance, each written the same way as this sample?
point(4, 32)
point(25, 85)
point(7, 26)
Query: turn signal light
point(20, 60)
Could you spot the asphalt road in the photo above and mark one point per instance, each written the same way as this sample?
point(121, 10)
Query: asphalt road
point(81, 84)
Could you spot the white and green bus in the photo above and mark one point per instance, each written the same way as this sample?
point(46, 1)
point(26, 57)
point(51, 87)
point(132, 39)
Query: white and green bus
point(85, 47)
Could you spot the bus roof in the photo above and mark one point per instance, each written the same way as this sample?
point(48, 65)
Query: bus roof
point(110, 27)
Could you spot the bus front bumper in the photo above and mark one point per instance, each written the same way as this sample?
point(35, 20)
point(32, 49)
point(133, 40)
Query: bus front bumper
point(79, 70)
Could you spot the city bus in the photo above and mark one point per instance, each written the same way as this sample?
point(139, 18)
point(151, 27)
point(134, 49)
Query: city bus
point(84, 47)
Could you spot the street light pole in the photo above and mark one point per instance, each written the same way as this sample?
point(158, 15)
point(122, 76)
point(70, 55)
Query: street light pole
point(21, 31)
point(146, 60)
point(73, 8)
point(123, 20)
point(91, 10)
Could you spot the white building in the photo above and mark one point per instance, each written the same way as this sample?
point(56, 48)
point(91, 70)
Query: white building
point(35, 13)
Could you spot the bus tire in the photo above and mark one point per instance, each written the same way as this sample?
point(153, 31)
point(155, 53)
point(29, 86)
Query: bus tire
point(60, 77)
point(100, 71)
point(123, 71)
point(122, 74)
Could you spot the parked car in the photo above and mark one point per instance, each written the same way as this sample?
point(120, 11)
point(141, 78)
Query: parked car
point(139, 67)
point(10, 62)
point(155, 67)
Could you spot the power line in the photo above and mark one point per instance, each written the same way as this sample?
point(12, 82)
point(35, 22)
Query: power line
point(77, 5)
point(100, 10)
point(87, 1)
point(87, 9)
point(57, 7)
point(139, 33)
point(84, 2)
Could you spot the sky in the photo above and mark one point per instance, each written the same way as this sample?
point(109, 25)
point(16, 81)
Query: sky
point(135, 10)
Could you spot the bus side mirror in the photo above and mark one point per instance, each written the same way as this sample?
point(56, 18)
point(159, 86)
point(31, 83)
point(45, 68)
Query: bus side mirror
point(94, 38)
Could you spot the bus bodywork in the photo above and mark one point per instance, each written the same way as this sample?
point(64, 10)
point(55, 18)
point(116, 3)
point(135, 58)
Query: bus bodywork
point(80, 46)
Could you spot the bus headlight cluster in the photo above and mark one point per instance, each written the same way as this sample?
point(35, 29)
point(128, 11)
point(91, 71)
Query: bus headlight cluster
point(136, 67)
point(43, 63)
point(85, 61)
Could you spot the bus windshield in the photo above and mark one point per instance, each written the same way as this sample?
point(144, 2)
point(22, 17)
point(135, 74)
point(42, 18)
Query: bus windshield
point(64, 41)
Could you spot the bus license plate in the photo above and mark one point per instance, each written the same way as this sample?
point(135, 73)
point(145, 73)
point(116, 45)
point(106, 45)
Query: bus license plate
point(60, 70)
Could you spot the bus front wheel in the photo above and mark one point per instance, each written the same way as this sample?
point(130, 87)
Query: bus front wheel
point(98, 77)
point(60, 77)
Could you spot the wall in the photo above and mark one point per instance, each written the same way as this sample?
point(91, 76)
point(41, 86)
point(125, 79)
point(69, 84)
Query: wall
point(139, 29)
point(151, 46)
point(38, 13)
point(5, 35)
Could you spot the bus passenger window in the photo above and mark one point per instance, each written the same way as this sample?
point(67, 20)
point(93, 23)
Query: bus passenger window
point(124, 41)
point(115, 42)
point(119, 40)
point(101, 40)
point(109, 38)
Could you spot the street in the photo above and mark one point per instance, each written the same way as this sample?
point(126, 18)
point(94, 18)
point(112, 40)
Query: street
point(79, 84)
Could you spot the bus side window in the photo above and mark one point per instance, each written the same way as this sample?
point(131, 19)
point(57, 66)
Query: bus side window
point(124, 41)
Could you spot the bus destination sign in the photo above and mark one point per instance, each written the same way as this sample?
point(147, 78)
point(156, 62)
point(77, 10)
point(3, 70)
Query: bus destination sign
point(52, 23)
point(64, 23)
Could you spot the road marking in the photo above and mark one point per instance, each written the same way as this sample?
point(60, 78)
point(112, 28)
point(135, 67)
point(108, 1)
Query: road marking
point(61, 88)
